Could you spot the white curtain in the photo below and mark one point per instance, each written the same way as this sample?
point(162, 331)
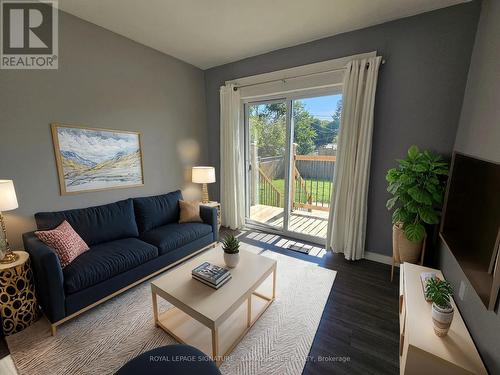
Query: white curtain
point(232, 191)
point(348, 207)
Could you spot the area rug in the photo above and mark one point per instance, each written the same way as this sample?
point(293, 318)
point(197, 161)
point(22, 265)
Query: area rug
point(103, 339)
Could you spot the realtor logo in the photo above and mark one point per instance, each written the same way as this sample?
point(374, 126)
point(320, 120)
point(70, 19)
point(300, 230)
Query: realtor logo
point(29, 34)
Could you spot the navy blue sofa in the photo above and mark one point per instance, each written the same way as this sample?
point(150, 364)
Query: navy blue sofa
point(129, 240)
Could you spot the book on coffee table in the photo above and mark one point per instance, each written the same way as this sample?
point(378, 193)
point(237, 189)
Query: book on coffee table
point(211, 274)
point(212, 285)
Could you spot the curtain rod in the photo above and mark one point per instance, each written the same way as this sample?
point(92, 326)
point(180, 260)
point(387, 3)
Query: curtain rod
point(236, 87)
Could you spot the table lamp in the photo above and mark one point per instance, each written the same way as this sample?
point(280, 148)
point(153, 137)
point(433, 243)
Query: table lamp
point(203, 175)
point(8, 201)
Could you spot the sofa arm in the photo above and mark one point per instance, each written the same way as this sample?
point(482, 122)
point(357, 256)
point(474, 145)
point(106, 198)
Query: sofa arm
point(209, 216)
point(48, 275)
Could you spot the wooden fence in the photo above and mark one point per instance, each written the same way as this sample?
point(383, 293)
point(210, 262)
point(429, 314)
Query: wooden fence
point(312, 193)
point(311, 190)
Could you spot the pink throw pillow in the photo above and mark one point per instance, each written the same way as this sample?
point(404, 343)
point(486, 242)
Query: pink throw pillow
point(65, 241)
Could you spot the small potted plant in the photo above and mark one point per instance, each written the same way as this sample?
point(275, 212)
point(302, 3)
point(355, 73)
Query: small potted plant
point(440, 292)
point(231, 247)
point(417, 187)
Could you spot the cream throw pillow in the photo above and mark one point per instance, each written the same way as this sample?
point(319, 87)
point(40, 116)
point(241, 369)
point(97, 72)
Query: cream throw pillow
point(190, 212)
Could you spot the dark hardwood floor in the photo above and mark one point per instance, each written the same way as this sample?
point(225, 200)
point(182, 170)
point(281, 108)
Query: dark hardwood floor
point(4, 351)
point(359, 329)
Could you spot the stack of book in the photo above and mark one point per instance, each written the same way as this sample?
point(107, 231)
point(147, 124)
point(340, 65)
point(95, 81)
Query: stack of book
point(211, 275)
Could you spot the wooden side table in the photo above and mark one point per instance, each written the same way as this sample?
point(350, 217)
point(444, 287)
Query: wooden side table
point(18, 305)
point(216, 205)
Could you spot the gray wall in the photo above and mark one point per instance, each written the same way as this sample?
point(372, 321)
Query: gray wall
point(419, 94)
point(104, 80)
point(479, 135)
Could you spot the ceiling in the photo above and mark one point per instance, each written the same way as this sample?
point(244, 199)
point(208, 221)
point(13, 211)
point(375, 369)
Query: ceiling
point(207, 33)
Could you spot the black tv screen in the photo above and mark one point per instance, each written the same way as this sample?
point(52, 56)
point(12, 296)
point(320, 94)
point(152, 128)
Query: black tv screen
point(471, 222)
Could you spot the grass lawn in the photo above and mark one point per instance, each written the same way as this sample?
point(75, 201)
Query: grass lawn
point(320, 190)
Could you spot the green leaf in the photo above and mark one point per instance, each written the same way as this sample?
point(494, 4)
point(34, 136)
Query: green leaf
point(391, 202)
point(404, 163)
point(441, 165)
point(428, 215)
point(413, 152)
point(438, 291)
point(441, 171)
point(400, 215)
point(412, 206)
point(393, 188)
point(432, 189)
point(433, 180)
point(438, 197)
point(406, 179)
point(392, 175)
point(420, 168)
point(420, 195)
point(415, 232)
point(437, 158)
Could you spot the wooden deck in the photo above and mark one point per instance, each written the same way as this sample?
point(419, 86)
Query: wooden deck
point(310, 223)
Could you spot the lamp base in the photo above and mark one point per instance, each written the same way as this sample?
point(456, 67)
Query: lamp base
point(204, 194)
point(10, 257)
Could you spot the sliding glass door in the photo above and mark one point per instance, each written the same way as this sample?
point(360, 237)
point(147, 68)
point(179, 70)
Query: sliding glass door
point(267, 149)
point(290, 158)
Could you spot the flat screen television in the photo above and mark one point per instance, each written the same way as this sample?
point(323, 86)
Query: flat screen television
point(471, 222)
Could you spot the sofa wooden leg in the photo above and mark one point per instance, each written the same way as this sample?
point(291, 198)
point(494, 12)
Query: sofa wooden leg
point(53, 329)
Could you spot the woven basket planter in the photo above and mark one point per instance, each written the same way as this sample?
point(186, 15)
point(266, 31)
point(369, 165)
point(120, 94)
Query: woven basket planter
point(405, 250)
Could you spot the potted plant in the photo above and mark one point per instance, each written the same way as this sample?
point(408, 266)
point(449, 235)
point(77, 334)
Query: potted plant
point(440, 292)
point(417, 188)
point(231, 247)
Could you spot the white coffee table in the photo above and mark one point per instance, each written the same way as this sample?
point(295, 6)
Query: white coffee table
point(212, 320)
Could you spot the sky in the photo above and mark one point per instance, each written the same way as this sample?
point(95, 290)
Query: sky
point(322, 107)
point(94, 145)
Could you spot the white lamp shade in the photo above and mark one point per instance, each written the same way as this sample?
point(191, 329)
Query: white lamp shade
point(203, 175)
point(8, 199)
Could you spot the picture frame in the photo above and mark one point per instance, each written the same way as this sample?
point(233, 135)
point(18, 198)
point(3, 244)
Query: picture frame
point(90, 159)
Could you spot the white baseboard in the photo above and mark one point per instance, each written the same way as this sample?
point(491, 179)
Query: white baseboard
point(376, 257)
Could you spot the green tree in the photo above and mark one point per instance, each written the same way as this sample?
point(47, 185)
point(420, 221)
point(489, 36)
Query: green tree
point(267, 128)
point(327, 131)
point(304, 133)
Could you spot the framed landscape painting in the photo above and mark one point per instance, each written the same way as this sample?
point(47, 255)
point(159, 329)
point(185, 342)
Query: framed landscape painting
point(92, 159)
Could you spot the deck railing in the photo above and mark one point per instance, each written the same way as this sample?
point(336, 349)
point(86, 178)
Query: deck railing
point(269, 195)
point(311, 181)
point(311, 190)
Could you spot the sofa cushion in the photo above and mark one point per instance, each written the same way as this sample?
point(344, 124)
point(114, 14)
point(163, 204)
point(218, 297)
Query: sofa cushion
point(106, 260)
point(172, 236)
point(189, 212)
point(158, 210)
point(95, 224)
point(65, 241)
